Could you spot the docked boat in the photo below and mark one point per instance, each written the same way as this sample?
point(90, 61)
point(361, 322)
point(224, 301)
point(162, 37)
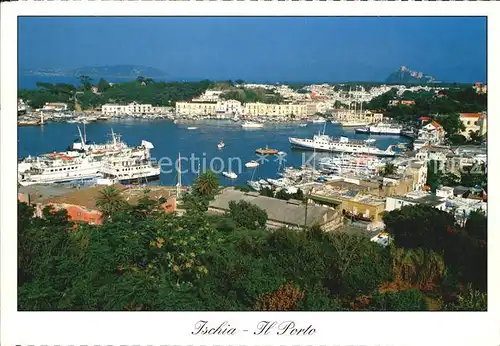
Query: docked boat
point(252, 125)
point(266, 151)
point(251, 164)
point(354, 123)
point(254, 185)
point(303, 125)
point(319, 121)
point(334, 121)
point(29, 123)
point(322, 142)
point(368, 164)
point(62, 167)
point(129, 170)
point(381, 129)
point(230, 175)
point(221, 145)
point(192, 128)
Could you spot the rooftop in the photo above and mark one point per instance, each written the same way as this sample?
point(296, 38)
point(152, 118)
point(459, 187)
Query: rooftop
point(290, 212)
point(86, 197)
point(422, 198)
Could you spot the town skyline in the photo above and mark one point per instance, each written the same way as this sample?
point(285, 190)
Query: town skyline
point(329, 49)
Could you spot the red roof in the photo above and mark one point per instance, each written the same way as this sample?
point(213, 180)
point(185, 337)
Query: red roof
point(471, 115)
point(435, 124)
point(424, 119)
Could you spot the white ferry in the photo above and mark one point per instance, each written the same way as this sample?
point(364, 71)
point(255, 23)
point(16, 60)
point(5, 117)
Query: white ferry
point(58, 168)
point(321, 142)
point(357, 163)
point(381, 129)
point(127, 169)
point(252, 125)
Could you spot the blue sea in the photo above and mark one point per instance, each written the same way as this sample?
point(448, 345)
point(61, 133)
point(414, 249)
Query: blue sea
point(198, 148)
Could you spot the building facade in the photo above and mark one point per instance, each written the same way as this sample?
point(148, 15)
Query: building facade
point(130, 109)
point(195, 108)
point(473, 122)
point(271, 109)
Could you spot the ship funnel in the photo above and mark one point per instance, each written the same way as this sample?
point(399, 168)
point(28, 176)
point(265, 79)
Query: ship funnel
point(147, 145)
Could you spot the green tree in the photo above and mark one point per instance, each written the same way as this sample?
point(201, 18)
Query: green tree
point(103, 85)
point(247, 215)
point(389, 169)
point(206, 184)
point(110, 202)
point(85, 81)
point(469, 300)
point(451, 123)
point(410, 300)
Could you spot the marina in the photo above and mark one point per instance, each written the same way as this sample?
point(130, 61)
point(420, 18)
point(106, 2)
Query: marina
point(169, 139)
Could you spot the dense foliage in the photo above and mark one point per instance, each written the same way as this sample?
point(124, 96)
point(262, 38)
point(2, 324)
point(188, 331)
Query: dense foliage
point(142, 90)
point(429, 103)
point(143, 259)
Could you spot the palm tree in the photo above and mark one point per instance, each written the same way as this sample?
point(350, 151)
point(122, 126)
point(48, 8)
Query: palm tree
point(417, 266)
point(206, 184)
point(389, 169)
point(110, 201)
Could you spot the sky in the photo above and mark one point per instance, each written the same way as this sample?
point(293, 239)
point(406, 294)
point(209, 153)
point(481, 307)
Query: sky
point(332, 49)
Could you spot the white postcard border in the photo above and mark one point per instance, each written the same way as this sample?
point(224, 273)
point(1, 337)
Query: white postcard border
point(174, 328)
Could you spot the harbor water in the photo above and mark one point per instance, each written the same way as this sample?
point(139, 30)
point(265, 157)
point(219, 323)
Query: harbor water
point(198, 148)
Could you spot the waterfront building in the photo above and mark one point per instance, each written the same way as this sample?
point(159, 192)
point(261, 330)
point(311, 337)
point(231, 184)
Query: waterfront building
point(229, 107)
point(132, 108)
point(473, 122)
point(195, 108)
point(55, 107)
point(271, 109)
point(281, 213)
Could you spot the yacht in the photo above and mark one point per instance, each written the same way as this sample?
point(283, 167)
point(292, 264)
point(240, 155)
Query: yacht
point(354, 123)
point(251, 164)
point(254, 185)
point(221, 145)
point(230, 175)
point(356, 163)
point(192, 128)
point(322, 142)
point(252, 125)
point(319, 121)
point(381, 129)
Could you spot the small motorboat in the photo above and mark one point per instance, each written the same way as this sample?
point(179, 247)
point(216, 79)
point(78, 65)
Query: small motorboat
point(254, 185)
point(192, 128)
point(281, 153)
point(302, 125)
point(221, 145)
point(230, 175)
point(251, 164)
point(370, 140)
point(334, 122)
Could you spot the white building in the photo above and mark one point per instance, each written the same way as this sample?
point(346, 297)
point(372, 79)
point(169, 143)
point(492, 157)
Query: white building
point(413, 198)
point(133, 108)
point(195, 108)
point(209, 96)
point(229, 107)
point(55, 107)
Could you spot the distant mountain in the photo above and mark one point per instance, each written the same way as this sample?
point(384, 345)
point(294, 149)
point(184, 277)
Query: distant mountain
point(405, 75)
point(116, 71)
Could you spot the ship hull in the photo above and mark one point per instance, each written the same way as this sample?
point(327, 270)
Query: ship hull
point(298, 144)
point(140, 180)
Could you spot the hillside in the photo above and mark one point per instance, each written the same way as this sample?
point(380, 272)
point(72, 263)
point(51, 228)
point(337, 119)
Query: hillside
point(404, 75)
